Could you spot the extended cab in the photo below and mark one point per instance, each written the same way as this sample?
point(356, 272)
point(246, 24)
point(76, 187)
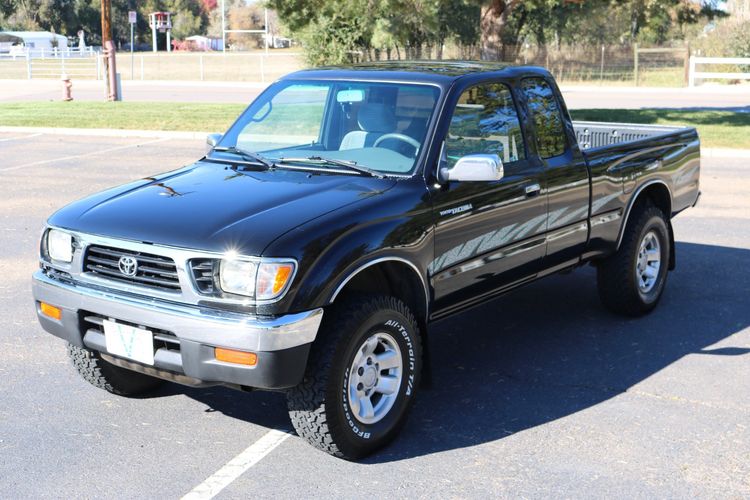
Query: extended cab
point(341, 214)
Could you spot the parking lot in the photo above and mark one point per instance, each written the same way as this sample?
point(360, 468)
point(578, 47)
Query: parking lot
point(539, 393)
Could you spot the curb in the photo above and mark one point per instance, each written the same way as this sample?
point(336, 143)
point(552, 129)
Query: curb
point(614, 89)
point(724, 153)
point(105, 132)
point(239, 84)
point(168, 134)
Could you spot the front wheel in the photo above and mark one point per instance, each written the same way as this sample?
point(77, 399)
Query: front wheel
point(104, 375)
point(361, 377)
point(632, 280)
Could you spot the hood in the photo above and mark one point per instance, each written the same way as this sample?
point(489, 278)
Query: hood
point(210, 206)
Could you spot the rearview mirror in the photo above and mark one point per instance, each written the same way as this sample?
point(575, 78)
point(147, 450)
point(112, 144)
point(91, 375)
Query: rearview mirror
point(211, 141)
point(478, 167)
point(351, 95)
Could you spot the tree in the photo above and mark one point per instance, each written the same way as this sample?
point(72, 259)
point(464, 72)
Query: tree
point(338, 31)
point(494, 27)
point(457, 21)
point(66, 17)
point(332, 32)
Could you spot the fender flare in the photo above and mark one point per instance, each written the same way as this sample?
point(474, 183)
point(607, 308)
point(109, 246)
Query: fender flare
point(380, 260)
point(631, 204)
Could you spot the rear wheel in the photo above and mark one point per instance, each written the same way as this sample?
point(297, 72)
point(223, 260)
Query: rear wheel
point(99, 373)
point(361, 377)
point(632, 281)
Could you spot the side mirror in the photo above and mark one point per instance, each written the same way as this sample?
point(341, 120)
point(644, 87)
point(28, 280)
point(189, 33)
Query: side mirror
point(211, 141)
point(478, 167)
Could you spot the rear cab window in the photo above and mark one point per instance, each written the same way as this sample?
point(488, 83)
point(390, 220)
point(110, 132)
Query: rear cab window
point(548, 122)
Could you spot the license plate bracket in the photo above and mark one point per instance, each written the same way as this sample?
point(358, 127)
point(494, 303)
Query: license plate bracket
point(129, 342)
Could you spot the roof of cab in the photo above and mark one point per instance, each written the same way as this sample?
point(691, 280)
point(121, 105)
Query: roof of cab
point(440, 72)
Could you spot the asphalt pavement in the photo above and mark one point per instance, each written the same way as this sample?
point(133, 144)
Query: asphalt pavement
point(711, 96)
point(540, 393)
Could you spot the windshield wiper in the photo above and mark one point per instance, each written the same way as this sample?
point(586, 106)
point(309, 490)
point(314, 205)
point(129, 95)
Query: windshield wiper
point(248, 156)
point(351, 165)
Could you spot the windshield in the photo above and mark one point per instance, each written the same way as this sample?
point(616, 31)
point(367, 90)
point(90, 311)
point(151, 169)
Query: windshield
point(374, 125)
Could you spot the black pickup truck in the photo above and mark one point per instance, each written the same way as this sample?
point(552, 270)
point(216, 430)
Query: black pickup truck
point(344, 212)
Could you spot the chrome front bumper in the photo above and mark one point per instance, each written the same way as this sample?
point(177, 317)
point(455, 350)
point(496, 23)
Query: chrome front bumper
point(198, 329)
point(204, 325)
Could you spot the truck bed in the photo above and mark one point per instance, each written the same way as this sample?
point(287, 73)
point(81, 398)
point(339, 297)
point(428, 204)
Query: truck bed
point(594, 135)
point(624, 157)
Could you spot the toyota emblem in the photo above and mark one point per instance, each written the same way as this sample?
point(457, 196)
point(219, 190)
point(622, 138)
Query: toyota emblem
point(128, 266)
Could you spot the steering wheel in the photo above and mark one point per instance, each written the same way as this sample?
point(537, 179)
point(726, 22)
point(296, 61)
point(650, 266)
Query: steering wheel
point(401, 137)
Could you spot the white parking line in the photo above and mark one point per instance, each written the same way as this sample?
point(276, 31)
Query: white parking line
point(238, 466)
point(84, 155)
point(20, 137)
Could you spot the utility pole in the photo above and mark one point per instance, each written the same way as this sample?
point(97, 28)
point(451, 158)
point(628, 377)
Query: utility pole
point(106, 21)
point(109, 51)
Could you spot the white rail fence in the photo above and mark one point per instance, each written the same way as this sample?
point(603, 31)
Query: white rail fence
point(79, 67)
point(17, 52)
point(695, 75)
point(190, 66)
point(51, 63)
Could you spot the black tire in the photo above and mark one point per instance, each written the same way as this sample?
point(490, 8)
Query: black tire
point(617, 279)
point(319, 407)
point(109, 377)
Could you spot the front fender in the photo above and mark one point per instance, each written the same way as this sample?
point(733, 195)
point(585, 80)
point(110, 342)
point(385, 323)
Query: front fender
point(332, 248)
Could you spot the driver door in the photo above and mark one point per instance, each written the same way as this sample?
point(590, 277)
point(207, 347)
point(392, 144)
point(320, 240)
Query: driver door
point(488, 234)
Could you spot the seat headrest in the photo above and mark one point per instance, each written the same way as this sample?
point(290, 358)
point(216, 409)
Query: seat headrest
point(376, 117)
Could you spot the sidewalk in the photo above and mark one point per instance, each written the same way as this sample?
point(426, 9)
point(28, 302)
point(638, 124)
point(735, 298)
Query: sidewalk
point(731, 97)
point(135, 90)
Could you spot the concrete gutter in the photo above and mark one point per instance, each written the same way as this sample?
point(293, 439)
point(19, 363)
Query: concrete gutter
point(106, 132)
point(724, 153)
point(201, 136)
point(741, 89)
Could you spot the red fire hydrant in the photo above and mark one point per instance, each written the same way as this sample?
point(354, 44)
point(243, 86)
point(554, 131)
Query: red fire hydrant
point(67, 94)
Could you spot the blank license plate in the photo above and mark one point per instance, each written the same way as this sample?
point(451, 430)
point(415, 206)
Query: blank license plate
point(129, 342)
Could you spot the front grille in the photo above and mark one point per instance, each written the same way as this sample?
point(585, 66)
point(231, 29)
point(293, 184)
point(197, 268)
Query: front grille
point(56, 273)
point(153, 271)
point(162, 338)
point(205, 274)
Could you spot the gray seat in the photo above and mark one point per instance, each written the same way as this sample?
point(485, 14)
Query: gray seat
point(374, 120)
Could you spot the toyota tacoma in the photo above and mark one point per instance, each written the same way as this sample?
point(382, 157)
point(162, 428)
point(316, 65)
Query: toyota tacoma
point(344, 212)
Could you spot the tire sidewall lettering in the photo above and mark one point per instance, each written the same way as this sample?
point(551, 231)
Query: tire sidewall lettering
point(402, 335)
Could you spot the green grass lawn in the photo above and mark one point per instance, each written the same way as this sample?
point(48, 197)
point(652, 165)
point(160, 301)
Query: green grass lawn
point(717, 129)
point(667, 77)
point(723, 129)
point(121, 115)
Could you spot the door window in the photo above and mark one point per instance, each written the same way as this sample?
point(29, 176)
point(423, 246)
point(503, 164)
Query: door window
point(548, 123)
point(485, 121)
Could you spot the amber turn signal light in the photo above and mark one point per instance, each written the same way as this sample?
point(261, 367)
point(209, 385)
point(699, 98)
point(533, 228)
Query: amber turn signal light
point(282, 276)
point(236, 357)
point(51, 311)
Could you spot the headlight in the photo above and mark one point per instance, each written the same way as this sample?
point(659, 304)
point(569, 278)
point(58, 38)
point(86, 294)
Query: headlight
point(237, 276)
point(60, 245)
point(261, 280)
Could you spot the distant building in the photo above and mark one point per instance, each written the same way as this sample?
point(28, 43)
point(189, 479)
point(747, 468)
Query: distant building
point(277, 42)
point(200, 42)
point(33, 41)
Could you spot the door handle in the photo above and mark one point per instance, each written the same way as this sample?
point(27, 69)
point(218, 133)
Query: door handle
point(533, 190)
